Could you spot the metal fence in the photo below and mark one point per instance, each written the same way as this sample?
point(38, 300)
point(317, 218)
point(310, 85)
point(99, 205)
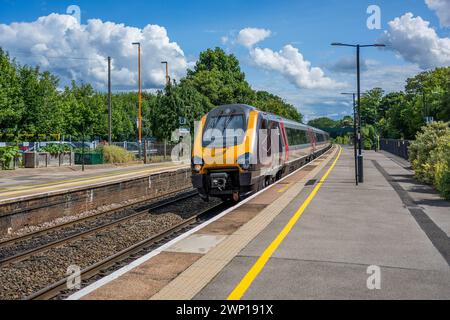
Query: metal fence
point(397, 147)
point(156, 151)
point(153, 152)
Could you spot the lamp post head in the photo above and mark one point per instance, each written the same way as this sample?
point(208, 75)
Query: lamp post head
point(136, 44)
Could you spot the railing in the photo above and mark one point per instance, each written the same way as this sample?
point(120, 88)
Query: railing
point(156, 151)
point(397, 147)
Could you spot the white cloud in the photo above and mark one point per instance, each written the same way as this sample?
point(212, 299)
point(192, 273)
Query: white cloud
point(442, 9)
point(347, 65)
point(413, 39)
point(51, 39)
point(248, 37)
point(290, 63)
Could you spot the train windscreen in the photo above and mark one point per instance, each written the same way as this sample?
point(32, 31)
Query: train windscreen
point(224, 131)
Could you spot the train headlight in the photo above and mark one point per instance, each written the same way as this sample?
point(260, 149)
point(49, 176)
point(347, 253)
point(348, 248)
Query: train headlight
point(244, 161)
point(197, 164)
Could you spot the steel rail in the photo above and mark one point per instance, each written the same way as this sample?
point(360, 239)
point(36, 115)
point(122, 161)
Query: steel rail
point(139, 212)
point(34, 234)
point(56, 288)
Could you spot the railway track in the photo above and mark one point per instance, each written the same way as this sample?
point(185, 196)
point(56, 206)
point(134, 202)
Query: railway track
point(25, 250)
point(121, 258)
point(24, 273)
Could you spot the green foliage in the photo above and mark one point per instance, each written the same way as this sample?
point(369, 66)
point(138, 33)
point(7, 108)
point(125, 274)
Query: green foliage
point(430, 156)
point(370, 106)
point(402, 114)
point(370, 138)
point(56, 148)
point(441, 157)
point(114, 154)
point(323, 123)
point(31, 103)
point(268, 102)
point(347, 121)
point(218, 76)
point(343, 140)
point(420, 151)
point(8, 154)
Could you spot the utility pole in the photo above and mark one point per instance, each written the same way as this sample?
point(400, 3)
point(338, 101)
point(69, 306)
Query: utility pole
point(109, 103)
point(360, 156)
point(167, 72)
point(139, 99)
point(355, 137)
point(358, 71)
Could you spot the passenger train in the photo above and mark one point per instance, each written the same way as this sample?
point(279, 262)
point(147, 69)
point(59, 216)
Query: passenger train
point(239, 150)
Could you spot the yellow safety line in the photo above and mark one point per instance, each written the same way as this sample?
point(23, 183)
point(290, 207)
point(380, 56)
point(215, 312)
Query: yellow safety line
point(61, 183)
point(248, 279)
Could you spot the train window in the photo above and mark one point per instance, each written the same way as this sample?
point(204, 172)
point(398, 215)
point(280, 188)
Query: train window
point(296, 137)
point(224, 131)
point(319, 138)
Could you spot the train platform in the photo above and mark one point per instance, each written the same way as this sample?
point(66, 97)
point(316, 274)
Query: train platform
point(25, 183)
point(314, 235)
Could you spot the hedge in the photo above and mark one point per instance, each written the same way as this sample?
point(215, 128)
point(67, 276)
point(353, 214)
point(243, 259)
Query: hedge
point(430, 156)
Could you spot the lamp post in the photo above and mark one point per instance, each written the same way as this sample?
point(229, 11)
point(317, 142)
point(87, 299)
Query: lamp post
point(167, 72)
point(355, 141)
point(109, 103)
point(138, 44)
point(358, 74)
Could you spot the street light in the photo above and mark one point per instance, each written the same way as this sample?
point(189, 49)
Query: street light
point(138, 44)
point(354, 134)
point(167, 72)
point(358, 72)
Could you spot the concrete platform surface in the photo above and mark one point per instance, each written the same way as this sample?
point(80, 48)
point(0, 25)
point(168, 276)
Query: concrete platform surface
point(385, 239)
point(344, 233)
point(29, 182)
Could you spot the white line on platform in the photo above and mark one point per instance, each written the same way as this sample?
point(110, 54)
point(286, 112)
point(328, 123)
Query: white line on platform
point(116, 274)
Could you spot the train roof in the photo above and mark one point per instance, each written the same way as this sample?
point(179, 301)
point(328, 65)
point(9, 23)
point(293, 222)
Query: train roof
point(245, 108)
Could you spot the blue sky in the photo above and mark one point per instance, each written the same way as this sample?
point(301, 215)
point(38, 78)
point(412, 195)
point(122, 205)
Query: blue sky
point(308, 26)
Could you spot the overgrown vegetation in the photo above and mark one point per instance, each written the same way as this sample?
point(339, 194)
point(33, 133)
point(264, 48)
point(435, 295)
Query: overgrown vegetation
point(430, 156)
point(343, 140)
point(56, 148)
point(114, 154)
point(7, 156)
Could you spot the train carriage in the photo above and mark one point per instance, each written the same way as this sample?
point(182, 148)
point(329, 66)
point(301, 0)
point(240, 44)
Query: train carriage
point(239, 149)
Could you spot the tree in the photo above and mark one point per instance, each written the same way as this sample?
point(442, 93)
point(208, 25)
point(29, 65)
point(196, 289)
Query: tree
point(347, 121)
point(322, 123)
point(370, 106)
point(11, 102)
point(268, 102)
point(218, 76)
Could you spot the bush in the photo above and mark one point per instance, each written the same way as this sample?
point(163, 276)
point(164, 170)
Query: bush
point(369, 137)
point(8, 154)
point(114, 154)
point(367, 144)
point(420, 150)
point(430, 156)
point(56, 148)
point(441, 157)
point(342, 140)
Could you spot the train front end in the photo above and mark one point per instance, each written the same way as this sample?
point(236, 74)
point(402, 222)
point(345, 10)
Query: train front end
point(223, 163)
